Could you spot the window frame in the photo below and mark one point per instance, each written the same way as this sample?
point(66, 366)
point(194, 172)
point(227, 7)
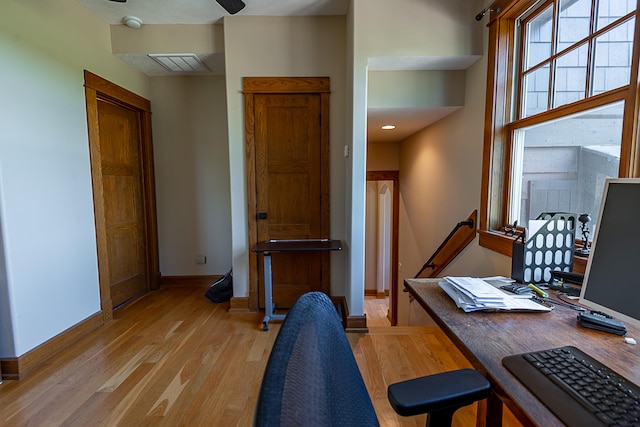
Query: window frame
point(498, 125)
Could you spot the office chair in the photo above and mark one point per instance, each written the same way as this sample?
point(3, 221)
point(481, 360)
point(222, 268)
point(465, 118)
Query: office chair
point(312, 378)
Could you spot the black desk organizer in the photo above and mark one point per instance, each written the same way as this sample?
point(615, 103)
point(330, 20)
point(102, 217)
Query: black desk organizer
point(550, 248)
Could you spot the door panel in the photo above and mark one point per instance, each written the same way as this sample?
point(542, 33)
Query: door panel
point(122, 201)
point(288, 189)
point(123, 191)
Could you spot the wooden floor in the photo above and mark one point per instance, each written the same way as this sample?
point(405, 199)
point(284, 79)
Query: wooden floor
point(172, 358)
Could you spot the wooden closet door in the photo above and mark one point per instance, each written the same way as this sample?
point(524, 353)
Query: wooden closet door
point(289, 193)
point(287, 149)
point(123, 206)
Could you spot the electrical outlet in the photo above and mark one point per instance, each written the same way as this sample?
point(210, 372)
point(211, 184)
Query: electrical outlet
point(201, 259)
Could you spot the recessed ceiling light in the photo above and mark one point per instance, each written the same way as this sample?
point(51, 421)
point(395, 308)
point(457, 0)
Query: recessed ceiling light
point(388, 127)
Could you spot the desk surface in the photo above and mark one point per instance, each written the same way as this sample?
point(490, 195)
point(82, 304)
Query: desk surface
point(298, 245)
point(485, 338)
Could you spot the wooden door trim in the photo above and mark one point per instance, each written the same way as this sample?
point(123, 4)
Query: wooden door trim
point(395, 177)
point(97, 88)
point(274, 85)
point(253, 85)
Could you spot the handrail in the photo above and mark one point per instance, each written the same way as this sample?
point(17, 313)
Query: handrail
point(455, 246)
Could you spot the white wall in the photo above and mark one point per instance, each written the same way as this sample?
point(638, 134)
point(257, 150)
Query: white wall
point(416, 89)
point(274, 47)
point(48, 274)
point(383, 156)
point(430, 28)
point(48, 271)
point(191, 156)
point(440, 185)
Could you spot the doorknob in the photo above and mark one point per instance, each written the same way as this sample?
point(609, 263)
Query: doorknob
point(262, 215)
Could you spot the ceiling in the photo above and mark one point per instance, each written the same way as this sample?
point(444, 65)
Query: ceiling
point(407, 120)
point(207, 11)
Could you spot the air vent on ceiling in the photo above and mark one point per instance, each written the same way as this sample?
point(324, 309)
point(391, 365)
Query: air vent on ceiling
point(180, 62)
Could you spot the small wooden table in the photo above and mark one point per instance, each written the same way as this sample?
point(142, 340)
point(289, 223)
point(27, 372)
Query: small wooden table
point(266, 248)
point(486, 338)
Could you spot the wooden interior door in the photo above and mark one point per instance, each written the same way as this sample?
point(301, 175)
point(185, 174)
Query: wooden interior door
point(288, 193)
point(122, 201)
point(123, 191)
point(288, 186)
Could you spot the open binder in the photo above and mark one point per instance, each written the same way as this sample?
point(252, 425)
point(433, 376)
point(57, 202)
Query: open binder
point(549, 247)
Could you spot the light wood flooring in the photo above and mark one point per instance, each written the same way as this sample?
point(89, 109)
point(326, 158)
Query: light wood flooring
point(172, 358)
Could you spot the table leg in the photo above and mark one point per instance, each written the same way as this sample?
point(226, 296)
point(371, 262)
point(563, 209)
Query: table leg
point(489, 412)
point(268, 302)
point(269, 306)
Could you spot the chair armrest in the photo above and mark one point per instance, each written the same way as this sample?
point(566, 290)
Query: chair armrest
point(439, 392)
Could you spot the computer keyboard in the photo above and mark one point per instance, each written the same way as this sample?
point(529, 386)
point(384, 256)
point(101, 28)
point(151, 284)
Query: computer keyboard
point(578, 389)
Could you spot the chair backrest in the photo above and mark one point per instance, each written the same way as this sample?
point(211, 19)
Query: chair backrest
point(312, 378)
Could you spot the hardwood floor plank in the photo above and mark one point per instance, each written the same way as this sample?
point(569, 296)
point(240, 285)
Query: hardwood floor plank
point(367, 359)
point(188, 398)
point(173, 358)
point(131, 365)
point(387, 355)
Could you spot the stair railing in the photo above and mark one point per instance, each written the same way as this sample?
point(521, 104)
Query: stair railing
point(462, 234)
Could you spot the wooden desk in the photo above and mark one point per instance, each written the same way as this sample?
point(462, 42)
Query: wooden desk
point(266, 248)
point(485, 338)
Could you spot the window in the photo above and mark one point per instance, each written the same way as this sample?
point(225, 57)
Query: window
point(573, 49)
point(562, 108)
point(565, 172)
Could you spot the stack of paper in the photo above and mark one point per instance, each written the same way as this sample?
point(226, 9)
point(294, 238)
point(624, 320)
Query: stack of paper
point(473, 294)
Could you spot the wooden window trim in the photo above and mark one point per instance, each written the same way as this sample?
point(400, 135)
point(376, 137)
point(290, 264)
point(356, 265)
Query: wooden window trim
point(496, 168)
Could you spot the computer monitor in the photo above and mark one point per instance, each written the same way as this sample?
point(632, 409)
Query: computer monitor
point(612, 278)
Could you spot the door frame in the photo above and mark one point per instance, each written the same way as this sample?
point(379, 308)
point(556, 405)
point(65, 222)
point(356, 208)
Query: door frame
point(280, 85)
point(97, 88)
point(395, 205)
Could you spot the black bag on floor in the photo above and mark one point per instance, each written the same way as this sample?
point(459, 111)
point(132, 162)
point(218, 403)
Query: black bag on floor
point(221, 290)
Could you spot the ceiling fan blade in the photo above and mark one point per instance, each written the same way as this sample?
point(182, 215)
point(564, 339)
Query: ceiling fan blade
point(231, 6)
point(119, 1)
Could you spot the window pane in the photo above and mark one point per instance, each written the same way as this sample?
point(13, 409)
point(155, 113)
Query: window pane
point(573, 23)
point(536, 90)
point(571, 76)
point(561, 166)
point(538, 42)
point(610, 10)
point(612, 59)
